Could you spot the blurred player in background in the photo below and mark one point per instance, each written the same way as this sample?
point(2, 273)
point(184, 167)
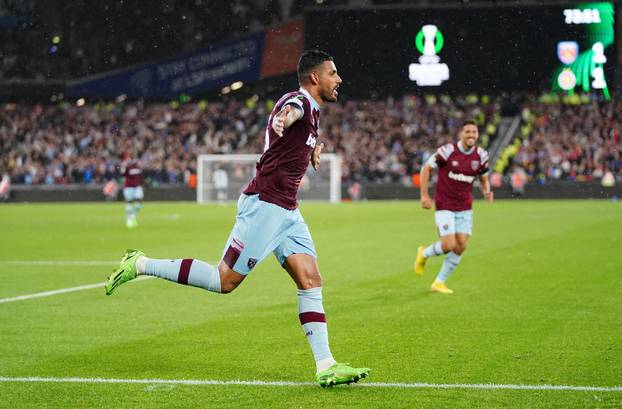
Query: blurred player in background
point(5, 187)
point(268, 219)
point(458, 165)
point(132, 189)
point(221, 184)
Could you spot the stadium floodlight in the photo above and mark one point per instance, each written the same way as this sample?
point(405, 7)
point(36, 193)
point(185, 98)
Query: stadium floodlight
point(221, 178)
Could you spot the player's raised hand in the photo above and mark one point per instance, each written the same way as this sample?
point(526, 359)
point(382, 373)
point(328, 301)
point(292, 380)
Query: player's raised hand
point(315, 156)
point(278, 122)
point(489, 196)
point(426, 202)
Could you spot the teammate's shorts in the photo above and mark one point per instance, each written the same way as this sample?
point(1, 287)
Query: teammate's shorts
point(261, 228)
point(449, 222)
point(133, 193)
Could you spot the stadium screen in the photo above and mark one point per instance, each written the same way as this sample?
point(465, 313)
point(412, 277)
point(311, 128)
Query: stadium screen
point(565, 48)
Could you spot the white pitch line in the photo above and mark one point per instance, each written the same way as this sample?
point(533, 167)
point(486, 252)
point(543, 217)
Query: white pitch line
point(61, 291)
point(296, 384)
point(58, 262)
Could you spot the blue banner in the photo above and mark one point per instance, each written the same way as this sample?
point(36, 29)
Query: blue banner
point(200, 71)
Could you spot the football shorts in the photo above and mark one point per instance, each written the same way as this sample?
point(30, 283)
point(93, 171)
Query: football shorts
point(133, 193)
point(449, 222)
point(261, 228)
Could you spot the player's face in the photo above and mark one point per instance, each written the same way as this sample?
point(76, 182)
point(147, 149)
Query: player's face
point(469, 136)
point(329, 81)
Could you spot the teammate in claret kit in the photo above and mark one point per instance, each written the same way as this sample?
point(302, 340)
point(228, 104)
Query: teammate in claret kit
point(459, 165)
point(132, 190)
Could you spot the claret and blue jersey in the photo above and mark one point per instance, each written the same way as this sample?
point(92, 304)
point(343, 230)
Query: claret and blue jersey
point(286, 158)
point(268, 219)
point(457, 171)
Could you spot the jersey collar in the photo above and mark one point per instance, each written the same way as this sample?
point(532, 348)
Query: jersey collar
point(465, 151)
point(314, 103)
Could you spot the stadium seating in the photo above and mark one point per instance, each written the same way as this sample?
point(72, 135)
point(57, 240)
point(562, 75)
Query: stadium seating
point(383, 140)
point(576, 142)
point(380, 141)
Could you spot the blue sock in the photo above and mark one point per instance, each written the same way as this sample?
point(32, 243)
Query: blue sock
point(129, 210)
point(313, 320)
point(186, 271)
point(137, 207)
point(433, 250)
point(449, 265)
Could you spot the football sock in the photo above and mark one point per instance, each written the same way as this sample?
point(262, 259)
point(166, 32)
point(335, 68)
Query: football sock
point(313, 320)
point(137, 207)
point(129, 210)
point(186, 271)
point(433, 250)
point(449, 265)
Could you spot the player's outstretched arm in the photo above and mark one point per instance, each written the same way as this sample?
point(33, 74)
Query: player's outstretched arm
point(426, 200)
point(285, 118)
point(485, 185)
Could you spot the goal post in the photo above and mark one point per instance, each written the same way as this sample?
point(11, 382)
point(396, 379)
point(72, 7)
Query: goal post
point(221, 178)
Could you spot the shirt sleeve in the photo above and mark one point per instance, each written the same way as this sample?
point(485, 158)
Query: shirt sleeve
point(442, 155)
point(432, 161)
point(297, 102)
point(483, 167)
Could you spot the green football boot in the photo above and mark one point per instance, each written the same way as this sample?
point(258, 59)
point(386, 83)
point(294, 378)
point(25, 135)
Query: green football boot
point(125, 272)
point(131, 223)
point(339, 374)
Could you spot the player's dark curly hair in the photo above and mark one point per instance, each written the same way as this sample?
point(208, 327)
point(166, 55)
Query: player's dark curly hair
point(309, 60)
point(468, 122)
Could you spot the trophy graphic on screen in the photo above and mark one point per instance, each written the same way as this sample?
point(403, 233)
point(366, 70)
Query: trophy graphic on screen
point(429, 72)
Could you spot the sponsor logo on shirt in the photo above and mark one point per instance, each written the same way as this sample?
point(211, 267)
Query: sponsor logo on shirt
point(311, 140)
point(461, 178)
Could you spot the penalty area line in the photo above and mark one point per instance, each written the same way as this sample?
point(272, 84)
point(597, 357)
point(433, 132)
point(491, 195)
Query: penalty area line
point(62, 291)
point(487, 386)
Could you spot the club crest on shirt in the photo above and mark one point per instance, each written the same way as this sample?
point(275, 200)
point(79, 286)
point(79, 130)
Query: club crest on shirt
point(251, 263)
point(474, 164)
point(454, 163)
point(445, 226)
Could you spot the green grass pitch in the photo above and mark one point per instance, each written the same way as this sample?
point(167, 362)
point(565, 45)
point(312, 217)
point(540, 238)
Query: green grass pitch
point(538, 301)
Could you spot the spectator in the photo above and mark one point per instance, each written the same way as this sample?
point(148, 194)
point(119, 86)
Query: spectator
point(380, 141)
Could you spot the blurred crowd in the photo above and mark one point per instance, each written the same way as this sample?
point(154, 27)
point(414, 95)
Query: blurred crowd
point(388, 140)
point(385, 140)
point(66, 144)
point(576, 142)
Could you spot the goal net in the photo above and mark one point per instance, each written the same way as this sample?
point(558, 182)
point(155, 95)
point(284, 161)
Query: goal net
point(221, 178)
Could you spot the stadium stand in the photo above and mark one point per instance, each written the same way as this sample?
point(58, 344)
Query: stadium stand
point(384, 140)
point(571, 142)
point(63, 40)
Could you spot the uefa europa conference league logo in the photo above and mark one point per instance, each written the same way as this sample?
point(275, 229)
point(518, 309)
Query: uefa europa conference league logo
point(429, 72)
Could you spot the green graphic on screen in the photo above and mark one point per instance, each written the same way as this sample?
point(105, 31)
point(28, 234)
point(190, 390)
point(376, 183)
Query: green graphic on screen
point(583, 59)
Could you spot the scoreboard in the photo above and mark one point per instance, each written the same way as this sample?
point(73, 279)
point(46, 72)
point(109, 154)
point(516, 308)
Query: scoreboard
point(564, 47)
